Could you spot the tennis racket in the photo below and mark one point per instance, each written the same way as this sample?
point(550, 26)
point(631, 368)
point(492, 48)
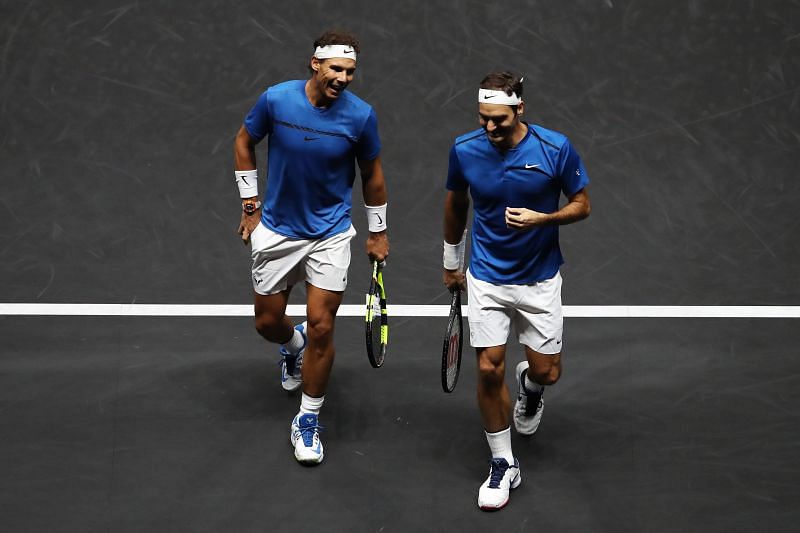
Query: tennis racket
point(377, 320)
point(451, 349)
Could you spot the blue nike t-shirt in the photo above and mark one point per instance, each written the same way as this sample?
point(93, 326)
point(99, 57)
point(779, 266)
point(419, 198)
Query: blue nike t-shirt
point(531, 175)
point(311, 158)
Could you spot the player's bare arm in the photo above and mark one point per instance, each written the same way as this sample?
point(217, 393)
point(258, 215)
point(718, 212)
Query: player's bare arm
point(577, 208)
point(373, 186)
point(456, 209)
point(244, 158)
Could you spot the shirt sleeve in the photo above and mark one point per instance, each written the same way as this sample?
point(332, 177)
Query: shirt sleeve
point(369, 142)
point(455, 178)
point(572, 174)
point(258, 121)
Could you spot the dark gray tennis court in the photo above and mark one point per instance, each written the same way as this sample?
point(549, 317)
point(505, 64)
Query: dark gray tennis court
point(115, 151)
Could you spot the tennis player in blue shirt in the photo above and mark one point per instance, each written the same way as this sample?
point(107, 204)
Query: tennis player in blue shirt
point(317, 132)
point(515, 173)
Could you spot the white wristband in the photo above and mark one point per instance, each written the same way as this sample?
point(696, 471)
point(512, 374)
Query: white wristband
point(376, 218)
point(453, 257)
point(450, 259)
point(247, 180)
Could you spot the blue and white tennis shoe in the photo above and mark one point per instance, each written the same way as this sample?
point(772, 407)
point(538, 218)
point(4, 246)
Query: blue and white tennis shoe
point(292, 364)
point(304, 437)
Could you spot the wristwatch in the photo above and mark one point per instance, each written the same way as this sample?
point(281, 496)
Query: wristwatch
point(250, 207)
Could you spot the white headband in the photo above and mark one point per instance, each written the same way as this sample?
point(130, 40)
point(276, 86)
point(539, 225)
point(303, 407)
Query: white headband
point(487, 96)
point(335, 50)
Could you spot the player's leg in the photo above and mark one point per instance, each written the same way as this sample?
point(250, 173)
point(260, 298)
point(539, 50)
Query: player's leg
point(489, 323)
point(273, 324)
point(540, 326)
point(326, 278)
point(494, 403)
point(270, 316)
point(545, 368)
point(321, 310)
point(493, 397)
point(275, 267)
point(533, 375)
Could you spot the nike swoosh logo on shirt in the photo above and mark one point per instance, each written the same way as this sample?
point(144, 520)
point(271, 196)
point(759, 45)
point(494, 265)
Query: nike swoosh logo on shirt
point(532, 166)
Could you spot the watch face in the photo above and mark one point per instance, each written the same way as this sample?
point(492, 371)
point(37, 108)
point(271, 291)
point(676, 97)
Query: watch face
point(249, 208)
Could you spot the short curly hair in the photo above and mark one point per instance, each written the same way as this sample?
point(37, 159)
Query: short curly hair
point(338, 37)
point(335, 37)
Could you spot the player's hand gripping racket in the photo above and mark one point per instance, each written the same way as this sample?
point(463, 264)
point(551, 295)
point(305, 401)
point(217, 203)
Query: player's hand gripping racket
point(377, 320)
point(451, 350)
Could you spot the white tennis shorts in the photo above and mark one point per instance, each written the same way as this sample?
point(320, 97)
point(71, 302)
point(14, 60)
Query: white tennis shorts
point(279, 261)
point(535, 310)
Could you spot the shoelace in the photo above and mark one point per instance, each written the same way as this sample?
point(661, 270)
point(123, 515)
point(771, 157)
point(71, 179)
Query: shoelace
point(498, 470)
point(284, 360)
point(307, 433)
point(528, 411)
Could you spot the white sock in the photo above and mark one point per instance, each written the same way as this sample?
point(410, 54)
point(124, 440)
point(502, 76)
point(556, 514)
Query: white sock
point(532, 387)
point(309, 404)
point(296, 343)
point(500, 444)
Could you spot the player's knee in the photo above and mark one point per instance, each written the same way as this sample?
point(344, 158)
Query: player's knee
point(268, 326)
point(546, 374)
point(320, 330)
point(491, 372)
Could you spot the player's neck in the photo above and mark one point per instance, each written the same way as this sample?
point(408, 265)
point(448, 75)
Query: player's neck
point(519, 133)
point(513, 141)
point(315, 96)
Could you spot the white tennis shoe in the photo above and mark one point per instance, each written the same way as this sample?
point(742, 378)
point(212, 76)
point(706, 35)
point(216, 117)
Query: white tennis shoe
point(292, 364)
point(528, 409)
point(494, 493)
point(304, 436)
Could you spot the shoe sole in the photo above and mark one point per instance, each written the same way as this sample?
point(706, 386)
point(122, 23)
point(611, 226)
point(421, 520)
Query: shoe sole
point(519, 392)
point(535, 428)
point(291, 384)
point(305, 462)
point(295, 383)
point(514, 484)
point(310, 462)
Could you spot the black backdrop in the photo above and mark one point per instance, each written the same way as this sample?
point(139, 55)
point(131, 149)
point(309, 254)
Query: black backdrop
point(118, 123)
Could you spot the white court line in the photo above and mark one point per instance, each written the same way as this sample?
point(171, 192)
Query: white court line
point(570, 311)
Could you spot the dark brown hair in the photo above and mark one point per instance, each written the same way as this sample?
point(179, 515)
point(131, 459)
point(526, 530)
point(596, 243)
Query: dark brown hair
point(505, 81)
point(338, 37)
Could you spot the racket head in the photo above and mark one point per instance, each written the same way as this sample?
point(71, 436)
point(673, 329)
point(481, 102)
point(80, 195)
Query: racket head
point(453, 344)
point(376, 319)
